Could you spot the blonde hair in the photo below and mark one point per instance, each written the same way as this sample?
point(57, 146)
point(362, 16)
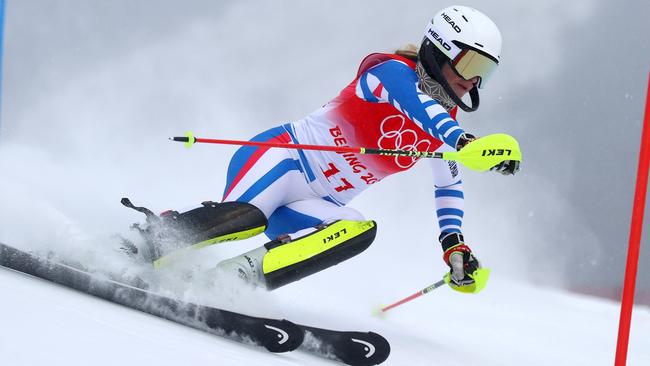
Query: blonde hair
point(409, 51)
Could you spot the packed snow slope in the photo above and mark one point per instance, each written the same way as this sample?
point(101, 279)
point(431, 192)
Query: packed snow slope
point(509, 323)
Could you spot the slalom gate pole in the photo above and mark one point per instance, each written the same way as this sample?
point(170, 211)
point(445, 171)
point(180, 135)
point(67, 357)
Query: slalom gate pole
point(424, 291)
point(480, 155)
point(634, 245)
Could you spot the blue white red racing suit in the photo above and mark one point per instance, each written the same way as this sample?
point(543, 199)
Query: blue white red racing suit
point(381, 108)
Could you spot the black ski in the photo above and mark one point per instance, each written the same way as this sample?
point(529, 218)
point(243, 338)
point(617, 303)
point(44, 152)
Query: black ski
point(352, 348)
point(274, 335)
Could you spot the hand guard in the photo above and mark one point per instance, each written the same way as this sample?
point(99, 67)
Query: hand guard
point(507, 167)
point(459, 258)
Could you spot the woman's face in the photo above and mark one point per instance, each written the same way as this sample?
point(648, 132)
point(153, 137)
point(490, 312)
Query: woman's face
point(459, 85)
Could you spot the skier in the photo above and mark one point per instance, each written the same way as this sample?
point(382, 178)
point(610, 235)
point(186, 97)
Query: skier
point(407, 100)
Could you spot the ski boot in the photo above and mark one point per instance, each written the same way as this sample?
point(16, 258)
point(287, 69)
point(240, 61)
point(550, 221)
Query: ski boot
point(285, 260)
point(170, 232)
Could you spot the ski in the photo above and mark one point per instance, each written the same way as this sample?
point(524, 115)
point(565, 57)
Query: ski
point(352, 348)
point(272, 334)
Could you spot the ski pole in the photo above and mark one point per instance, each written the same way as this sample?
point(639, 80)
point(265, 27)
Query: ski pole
point(480, 277)
point(425, 290)
point(479, 155)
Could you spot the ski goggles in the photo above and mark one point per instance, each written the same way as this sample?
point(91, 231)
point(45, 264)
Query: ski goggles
point(471, 63)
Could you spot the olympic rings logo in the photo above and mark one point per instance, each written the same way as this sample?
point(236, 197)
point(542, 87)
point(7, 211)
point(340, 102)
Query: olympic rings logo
point(394, 136)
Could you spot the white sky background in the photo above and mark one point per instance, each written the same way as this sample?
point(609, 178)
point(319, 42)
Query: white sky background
point(93, 89)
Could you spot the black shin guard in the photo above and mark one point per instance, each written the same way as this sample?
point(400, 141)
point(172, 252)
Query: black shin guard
point(211, 223)
point(219, 222)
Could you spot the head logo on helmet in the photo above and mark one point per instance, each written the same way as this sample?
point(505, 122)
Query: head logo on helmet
point(439, 39)
point(451, 22)
point(468, 41)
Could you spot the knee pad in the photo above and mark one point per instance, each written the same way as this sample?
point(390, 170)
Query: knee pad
point(288, 262)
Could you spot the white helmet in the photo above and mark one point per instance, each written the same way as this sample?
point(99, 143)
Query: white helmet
point(469, 41)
